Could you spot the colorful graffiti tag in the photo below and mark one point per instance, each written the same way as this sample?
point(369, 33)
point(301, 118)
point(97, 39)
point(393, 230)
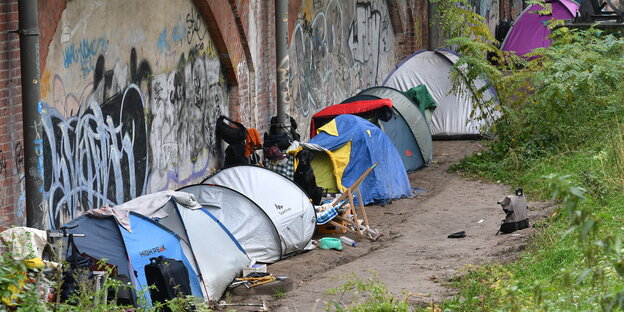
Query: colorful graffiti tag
point(135, 133)
point(341, 48)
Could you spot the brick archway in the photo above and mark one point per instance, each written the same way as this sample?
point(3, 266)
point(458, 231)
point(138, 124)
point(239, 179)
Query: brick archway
point(226, 30)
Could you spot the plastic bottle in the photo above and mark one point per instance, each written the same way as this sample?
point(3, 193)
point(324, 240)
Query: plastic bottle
point(348, 241)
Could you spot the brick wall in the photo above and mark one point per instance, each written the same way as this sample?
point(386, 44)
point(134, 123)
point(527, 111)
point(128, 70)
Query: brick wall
point(11, 135)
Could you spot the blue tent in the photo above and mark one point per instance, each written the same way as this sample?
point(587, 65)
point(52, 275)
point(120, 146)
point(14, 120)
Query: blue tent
point(130, 252)
point(212, 255)
point(355, 145)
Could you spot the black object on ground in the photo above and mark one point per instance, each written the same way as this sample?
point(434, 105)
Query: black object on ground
point(460, 234)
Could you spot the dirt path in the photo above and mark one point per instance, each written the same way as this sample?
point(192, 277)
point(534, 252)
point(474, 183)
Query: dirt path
point(414, 255)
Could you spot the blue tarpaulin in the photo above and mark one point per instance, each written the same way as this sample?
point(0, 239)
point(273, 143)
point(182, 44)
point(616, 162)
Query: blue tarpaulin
point(365, 144)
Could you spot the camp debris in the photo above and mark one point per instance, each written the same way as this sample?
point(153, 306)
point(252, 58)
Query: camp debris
point(453, 116)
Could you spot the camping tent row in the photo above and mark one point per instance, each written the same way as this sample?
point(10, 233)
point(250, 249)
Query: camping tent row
point(241, 213)
point(397, 116)
point(453, 117)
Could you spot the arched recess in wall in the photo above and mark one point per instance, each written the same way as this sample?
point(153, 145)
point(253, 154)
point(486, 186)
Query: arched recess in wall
point(232, 48)
point(226, 30)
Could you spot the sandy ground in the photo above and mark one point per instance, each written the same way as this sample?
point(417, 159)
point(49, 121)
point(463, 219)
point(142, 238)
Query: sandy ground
point(414, 254)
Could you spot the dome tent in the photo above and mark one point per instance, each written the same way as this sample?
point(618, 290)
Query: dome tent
point(283, 201)
point(211, 254)
point(354, 145)
point(452, 117)
point(407, 128)
point(246, 220)
point(530, 30)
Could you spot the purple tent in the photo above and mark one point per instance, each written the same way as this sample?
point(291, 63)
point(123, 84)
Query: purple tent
point(530, 30)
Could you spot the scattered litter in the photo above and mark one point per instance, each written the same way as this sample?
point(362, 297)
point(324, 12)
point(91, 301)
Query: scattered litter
point(480, 221)
point(460, 234)
point(417, 191)
point(348, 241)
point(224, 305)
point(330, 243)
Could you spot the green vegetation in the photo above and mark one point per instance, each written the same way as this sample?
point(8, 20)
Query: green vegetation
point(24, 288)
point(559, 137)
point(369, 295)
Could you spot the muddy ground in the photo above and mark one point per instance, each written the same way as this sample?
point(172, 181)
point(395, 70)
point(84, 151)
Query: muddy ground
point(414, 254)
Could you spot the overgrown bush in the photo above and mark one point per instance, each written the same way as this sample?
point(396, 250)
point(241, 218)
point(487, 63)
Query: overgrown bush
point(22, 288)
point(559, 125)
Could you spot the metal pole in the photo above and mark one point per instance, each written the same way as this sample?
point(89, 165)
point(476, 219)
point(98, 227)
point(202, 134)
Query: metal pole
point(283, 67)
point(33, 139)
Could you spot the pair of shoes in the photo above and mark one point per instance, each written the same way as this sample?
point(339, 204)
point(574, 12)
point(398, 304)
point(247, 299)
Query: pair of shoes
point(330, 243)
point(461, 234)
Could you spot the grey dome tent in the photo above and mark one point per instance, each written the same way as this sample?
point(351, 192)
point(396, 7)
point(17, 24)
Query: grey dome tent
point(288, 207)
point(452, 117)
point(407, 129)
point(248, 222)
point(212, 255)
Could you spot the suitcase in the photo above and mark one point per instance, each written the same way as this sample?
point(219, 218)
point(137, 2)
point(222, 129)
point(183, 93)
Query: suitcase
point(169, 277)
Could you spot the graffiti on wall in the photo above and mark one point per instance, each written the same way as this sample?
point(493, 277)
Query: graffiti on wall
point(83, 54)
point(339, 49)
point(135, 132)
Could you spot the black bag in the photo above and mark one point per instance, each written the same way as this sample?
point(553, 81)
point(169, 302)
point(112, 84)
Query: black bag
point(274, 129)
point(170, 278)
point(235, 155)
point(281, 140)
point(229, 134)
point(516, 213)
point(80, 269)
point(122, 294)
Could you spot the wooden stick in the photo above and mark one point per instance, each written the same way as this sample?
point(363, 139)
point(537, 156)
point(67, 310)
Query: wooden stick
point(354, 211)
point(362, 207)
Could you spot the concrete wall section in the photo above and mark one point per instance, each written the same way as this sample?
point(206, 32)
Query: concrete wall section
point(131, 94)
point(337, 48)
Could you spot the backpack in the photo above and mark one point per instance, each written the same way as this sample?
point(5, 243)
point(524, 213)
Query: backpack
point(79, 270)
point(170, 278)
point(516, 210)
point(234, 134)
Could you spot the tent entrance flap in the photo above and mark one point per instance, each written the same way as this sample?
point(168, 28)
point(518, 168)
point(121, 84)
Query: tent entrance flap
point(324, 172)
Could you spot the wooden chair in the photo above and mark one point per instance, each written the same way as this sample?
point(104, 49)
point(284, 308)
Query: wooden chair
point(354, 226)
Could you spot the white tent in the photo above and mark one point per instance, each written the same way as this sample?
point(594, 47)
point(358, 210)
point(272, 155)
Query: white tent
point(452, 117)
point(288, 207)
point(250, 224)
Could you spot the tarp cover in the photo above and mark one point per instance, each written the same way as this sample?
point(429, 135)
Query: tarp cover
point(365, 144)
point(353, 108)
point(530, 31)
point(452, 116)
point(249, 224)
point(282, 200)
